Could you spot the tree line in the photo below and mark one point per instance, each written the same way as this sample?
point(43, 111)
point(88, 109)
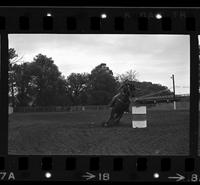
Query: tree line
point(40, 83)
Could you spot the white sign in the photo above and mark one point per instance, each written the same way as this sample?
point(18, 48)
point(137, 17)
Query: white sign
point(139, 124)
point(139, 110)
point(139, 119)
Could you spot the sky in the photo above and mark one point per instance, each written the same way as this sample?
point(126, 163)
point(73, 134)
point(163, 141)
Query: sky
point(154, 57)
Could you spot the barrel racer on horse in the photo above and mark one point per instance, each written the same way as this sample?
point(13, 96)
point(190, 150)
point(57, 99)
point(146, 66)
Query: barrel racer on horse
point(120, 102)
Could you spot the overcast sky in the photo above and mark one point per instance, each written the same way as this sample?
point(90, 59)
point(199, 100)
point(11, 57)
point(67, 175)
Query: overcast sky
point(154, 57)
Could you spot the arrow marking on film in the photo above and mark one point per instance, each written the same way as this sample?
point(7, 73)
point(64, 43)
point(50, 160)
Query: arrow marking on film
point(178, 177)
point(89, 176)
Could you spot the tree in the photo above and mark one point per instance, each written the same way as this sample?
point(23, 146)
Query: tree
point(12, 54)
point(128, 75)
point(77, 84)
point(12, 60)
point(23, 86)
point(102, 85)
point(147, 88)
point(46, 81)
point(144, 88)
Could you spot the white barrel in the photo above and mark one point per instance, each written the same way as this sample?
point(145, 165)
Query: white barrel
point(139, 116)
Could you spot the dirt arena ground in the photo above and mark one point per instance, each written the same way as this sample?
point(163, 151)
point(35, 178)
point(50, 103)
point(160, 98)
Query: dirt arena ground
point(81, 133)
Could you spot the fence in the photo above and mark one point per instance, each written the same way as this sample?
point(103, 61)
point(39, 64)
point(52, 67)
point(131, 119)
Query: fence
point(61, 108)
point(170, 106)
point(159, 106)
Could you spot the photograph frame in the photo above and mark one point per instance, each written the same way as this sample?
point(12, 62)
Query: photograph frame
point(141, 18)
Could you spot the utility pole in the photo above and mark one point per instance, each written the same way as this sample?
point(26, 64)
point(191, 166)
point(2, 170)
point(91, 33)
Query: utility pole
point(174, 94)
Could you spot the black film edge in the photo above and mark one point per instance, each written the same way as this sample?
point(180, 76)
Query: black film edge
point(99, 94)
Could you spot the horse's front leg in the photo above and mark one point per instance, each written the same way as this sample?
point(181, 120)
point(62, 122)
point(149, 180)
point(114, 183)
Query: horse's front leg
point(111, 119)
point(119, 116)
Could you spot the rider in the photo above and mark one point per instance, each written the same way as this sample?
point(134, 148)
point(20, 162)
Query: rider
point(122, 90)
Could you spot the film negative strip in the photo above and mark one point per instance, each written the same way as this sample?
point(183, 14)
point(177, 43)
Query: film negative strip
point(99, 94)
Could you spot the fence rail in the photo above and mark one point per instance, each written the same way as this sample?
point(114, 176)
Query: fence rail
point(159, 106)
point(61, 108)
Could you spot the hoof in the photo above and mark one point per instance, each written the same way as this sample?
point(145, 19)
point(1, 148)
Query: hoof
point(105, 124)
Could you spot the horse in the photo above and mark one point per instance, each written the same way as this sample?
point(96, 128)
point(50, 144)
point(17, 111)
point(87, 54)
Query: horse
point(120, 103)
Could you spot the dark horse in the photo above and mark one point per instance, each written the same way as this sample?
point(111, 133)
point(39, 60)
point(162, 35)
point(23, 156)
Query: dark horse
point(120, 103)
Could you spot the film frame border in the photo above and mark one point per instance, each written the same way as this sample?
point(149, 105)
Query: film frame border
point(72, 20)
